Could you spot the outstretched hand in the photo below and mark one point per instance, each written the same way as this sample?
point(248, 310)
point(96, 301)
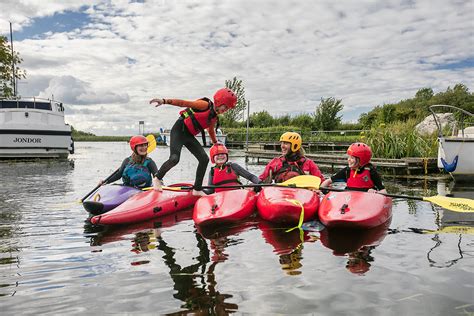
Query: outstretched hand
point(158, 101)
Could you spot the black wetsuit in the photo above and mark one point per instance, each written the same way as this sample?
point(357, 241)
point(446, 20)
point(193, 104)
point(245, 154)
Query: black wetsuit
point(179, 137)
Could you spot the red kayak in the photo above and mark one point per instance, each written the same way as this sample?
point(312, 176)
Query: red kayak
point(224, 207)
point(284, 205)
point(354, 209)
point(147, 205)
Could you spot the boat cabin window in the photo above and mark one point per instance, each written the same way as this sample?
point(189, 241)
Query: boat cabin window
point(8, 104)
point(25, 105)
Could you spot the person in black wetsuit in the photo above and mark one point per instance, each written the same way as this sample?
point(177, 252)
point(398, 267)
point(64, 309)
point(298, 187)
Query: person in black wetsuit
point(199, 115)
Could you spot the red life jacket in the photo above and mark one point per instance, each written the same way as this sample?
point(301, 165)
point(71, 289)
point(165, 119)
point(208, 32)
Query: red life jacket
point(360, 179)
point(286, 170)
point(224, 176)
point(198, 120)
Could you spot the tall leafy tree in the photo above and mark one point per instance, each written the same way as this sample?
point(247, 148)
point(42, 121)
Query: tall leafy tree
point(304, 121)
point(7, 60)
point(231, 117)
point(326, 117)
point(261, 119)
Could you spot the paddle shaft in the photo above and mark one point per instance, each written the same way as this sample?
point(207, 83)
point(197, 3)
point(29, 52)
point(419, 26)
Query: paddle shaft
point(234, 186)
point(105, 182)
point(258, 185)
point(386, 194)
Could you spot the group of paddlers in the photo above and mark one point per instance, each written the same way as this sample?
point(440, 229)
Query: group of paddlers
point(140, 171)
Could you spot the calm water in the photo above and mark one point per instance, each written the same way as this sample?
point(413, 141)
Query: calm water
point(53, 261)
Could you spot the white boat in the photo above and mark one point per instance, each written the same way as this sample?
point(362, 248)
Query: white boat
point(456, 151)
point(221, 137)
point(34, 128)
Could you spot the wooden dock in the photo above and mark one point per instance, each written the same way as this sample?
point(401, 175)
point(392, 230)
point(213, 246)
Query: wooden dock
point(333, 161)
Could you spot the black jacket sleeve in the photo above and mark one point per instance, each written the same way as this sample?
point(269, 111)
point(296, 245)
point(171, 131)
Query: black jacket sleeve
point(376, 178)
point(241, 172)
point(117, 175)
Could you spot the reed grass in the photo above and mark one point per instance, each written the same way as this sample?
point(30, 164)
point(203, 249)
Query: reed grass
point(399, 140)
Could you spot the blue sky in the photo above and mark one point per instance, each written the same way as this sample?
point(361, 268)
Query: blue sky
point(40, 27)
point(106, 59)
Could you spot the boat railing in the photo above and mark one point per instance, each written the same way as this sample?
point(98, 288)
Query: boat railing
point(31, 103)
point(462, 127)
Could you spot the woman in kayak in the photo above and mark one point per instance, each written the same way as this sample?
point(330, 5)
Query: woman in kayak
point(199, 115)
point(360, 174)
point(291, 163)
point(225, 172)
point(138, 170)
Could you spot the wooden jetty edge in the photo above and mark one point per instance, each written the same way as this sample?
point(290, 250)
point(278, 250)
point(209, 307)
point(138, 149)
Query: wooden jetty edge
point(334, 161)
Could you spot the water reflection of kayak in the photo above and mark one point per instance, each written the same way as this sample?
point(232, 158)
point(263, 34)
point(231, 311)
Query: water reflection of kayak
point(218, 231)
point(224, 207)
point(108, 197)
point(354, 209)
point(282, 240)
point(117, 233)
point(147, 205)
point(346, 240)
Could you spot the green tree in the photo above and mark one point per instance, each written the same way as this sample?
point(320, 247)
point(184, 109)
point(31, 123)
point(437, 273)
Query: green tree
point(283, 120)
point(424, 94)
point(7, 60)
point(303, 121)
point(261, 119)
point(326, 117)
point(231, 117)
point(418, 107)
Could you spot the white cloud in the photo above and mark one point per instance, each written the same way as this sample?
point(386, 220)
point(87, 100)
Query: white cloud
point(73, 91)
point(289, 54)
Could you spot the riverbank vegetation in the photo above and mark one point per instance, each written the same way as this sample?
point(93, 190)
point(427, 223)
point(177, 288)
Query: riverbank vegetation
point(389, 129)
point(80, 136)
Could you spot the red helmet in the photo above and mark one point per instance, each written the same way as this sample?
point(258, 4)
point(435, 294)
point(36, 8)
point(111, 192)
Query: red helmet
point(225, 96)
point(218, 149)
point(137, 140)
point(361, 151)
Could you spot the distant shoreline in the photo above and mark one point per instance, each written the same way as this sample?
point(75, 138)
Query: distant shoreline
point(78, 138)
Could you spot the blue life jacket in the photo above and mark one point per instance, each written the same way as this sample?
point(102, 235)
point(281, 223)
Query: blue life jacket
point(137, 175)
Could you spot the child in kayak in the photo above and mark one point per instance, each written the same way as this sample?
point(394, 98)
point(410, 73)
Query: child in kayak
point(138, 170)
point(225, 172)
point(199, 115)
point(360, 174)
point(291, 163)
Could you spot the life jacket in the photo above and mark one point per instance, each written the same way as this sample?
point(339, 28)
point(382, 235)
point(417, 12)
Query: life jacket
point(224, 176)
point(198, 120)
point(137, 175)
point(360, 179)
point(286, 170)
